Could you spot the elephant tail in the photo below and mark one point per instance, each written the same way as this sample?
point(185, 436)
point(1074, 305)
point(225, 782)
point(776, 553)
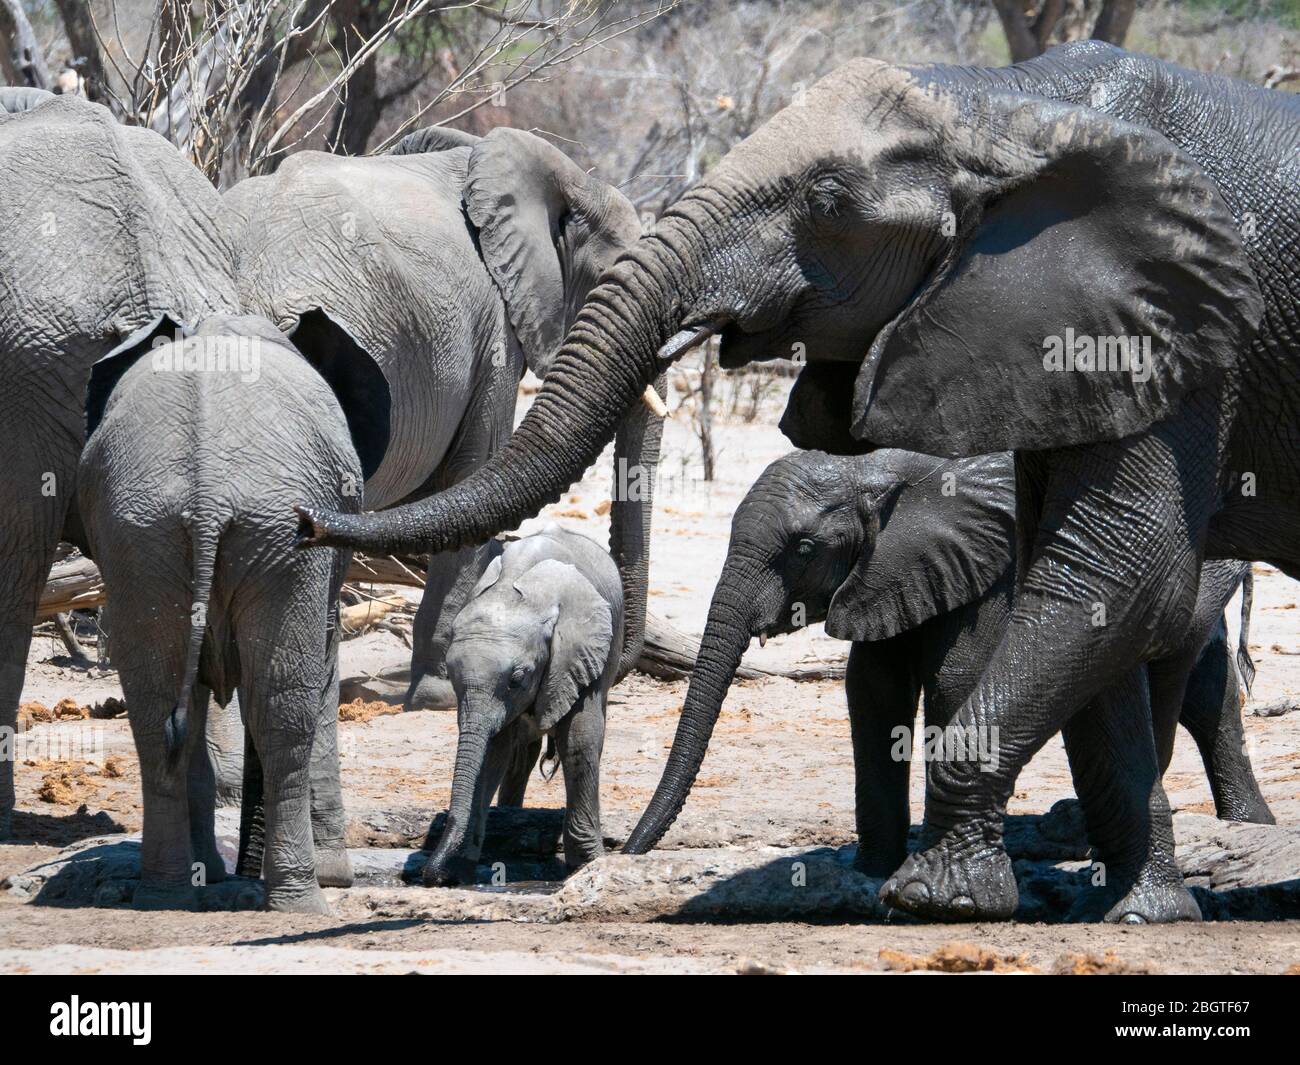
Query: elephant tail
point(1245, 664)
point(204, 538)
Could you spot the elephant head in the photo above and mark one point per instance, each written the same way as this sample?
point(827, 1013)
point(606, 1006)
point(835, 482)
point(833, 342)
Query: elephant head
point(872, 545)
point(920, 241)
point(535, 634)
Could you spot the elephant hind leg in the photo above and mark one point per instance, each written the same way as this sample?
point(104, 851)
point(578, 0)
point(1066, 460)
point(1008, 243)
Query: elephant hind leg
point(30, 523)
point(1113, 758)
point(201, 787)
point(1211, 712)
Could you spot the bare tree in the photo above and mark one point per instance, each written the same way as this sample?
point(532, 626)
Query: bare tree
point(21, 60)
point(1032, 26)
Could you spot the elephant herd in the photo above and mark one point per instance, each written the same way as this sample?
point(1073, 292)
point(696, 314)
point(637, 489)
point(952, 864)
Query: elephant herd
point(1046, 321)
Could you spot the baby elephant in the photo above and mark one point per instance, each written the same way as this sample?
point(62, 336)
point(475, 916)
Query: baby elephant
point(912, 558)
point(533, 653)
point(198, 447)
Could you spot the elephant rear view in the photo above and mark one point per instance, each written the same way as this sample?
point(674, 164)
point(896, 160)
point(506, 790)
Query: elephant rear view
point(196, 445)
point(104, 228)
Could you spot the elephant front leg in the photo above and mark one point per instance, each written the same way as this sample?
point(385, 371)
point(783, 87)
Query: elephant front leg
point(449, 580)
point(580, 738)
point(1113, 572)
point(882, 696)
point(1112, 750)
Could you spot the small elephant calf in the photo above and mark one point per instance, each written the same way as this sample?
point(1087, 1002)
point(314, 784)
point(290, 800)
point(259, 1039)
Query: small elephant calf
point(533, 653)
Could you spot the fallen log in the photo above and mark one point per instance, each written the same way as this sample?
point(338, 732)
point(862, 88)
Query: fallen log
point(669, 654)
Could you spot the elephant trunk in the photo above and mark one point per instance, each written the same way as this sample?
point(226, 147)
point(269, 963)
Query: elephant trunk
point(608, 358)
point(471, 752)
point(636, 461)
point(726, 636)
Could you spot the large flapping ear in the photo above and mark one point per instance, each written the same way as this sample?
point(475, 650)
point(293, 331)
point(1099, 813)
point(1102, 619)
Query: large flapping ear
point(433, 139)
point(1084, 241)
point(547, 230)
point(109, 368)
point(582, 640)
point(946, 536)
point(355, 377)
point(15, 99)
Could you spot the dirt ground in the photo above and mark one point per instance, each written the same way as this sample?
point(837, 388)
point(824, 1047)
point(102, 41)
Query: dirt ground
point(779, 771)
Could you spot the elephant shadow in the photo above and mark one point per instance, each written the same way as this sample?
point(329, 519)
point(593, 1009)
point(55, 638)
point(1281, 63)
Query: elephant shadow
point(61, 830)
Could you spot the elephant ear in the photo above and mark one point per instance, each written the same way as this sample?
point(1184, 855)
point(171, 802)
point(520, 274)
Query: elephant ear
point(16, 99)
point(582, 640)
point(547, 231)
point(109, 368)
point(433, 139)
point(1075, 225)
point(946, 536)
point(355, 377)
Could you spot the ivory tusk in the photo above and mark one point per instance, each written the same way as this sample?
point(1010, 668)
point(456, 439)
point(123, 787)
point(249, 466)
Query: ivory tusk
point(651, 399)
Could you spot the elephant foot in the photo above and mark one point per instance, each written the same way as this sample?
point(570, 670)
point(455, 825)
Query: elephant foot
point(1252, 811)
point(1162, 903)
point(948, 883)
point(165, 897)
point(333, 867)
point(214, 869)
point(306, 900)
point(430, 692)
point(6, 825)
point(449, 872)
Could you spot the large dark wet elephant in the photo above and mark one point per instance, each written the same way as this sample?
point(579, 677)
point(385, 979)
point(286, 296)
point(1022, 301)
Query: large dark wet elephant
point(421, 283)
point(916, 556)
point(1090, 259)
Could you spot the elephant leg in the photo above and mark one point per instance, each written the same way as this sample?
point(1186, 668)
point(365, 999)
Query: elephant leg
point(882, 692)
point(1096, 600)
point(202, 790)
point(523, 760)
point(328, 822)
point(252, 811)
point(450, 578)
point(34, 500)
point(1113, 759)
point(1211, 712)
point(225, 734)
point(580, 738)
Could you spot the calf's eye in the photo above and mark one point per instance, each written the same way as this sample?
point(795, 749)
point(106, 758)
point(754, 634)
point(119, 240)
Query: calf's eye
point(805, 548)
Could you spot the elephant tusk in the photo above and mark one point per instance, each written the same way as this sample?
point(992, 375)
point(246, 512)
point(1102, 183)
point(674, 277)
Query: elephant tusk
point(653, 403)
point(762, 639)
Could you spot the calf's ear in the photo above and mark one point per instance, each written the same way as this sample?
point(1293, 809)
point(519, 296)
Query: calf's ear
point(109, 368)
point(946, 535)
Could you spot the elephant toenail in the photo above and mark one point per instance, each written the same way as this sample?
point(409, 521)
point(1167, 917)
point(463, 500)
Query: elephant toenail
point(963, 905)
point(888, 888)
point(1132, 918)
point(915, 893)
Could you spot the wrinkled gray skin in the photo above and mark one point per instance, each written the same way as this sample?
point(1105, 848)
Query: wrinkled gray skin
point(182, 486)
point(920, 233)
point(420, 283)
point(920, 551)
point(103, 229)
point(533, 653)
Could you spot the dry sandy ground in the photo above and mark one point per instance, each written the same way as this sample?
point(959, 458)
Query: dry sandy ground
point(780, 760)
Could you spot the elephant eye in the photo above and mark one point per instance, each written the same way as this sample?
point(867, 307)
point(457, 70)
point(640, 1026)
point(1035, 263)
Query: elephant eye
point(805, 548)
point(518, 676)
point(825, 197)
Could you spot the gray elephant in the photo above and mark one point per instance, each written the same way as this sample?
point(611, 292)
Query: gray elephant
point(421, 282)
point(1088, 259)
point(916, 554)
point(79, 274)
point(532, 654)
point(196, 447)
